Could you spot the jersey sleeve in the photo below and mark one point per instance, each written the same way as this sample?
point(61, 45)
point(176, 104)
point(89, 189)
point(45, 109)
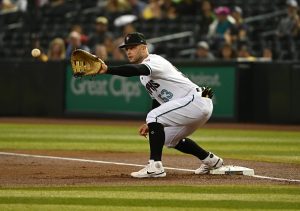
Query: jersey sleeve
point(155, 66)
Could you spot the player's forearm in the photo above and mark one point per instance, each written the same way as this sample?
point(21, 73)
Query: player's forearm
point(128, 70)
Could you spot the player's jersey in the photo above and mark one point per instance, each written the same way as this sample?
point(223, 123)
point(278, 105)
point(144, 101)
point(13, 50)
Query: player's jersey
point(165, 82)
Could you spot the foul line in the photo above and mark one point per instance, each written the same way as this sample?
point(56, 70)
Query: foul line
point(127, 164)
point(275, 178)
point(86, 160)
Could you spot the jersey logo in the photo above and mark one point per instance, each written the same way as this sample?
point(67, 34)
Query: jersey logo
point(151, 86)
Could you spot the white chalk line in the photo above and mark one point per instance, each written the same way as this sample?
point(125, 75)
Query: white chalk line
point(86, 160)
point(275, 178)
point(127, 164)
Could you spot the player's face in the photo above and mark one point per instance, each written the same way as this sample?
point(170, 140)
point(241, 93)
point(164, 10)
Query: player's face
point(135, 53)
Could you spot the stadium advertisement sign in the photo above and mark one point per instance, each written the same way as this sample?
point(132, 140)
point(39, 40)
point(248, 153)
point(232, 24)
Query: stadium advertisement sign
point(223, 81)
point(107, 94)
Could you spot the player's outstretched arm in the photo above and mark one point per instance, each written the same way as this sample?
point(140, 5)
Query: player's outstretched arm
point(126, 70)
point(85, 64)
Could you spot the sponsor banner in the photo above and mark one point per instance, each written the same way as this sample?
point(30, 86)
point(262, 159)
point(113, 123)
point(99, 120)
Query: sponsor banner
point(126, 95)
point(223, 81)
point(106, 94)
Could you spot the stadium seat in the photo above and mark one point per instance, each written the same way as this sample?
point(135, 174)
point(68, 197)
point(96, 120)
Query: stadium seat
point(57, 21)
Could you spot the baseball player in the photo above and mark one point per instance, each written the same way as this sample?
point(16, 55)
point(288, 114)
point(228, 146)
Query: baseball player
point(178, 106)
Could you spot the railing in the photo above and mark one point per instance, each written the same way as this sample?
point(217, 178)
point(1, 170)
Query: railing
point(264, 16)
point(171, 37)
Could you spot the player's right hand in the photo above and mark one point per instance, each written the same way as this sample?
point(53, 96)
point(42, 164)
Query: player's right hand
point(103, 69)
point(143, 131)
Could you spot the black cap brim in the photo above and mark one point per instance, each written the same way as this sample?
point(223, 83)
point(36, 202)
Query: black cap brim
point(131, 44)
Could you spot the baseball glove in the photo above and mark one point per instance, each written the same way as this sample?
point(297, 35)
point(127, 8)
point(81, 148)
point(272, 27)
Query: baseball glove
point(84, 63)
point(207, 92)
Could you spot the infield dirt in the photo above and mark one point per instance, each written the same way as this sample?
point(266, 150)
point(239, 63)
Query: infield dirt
point(16, 171)
point(29, 171)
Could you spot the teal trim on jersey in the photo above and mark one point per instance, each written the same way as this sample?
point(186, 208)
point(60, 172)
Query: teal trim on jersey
point(174, 109)
point(148, 68)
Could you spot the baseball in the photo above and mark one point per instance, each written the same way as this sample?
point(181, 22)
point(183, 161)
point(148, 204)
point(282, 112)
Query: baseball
point(35, 52)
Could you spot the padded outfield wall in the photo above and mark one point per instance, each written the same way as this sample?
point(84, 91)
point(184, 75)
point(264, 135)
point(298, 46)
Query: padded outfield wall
point(115, 95)
point(248, 92)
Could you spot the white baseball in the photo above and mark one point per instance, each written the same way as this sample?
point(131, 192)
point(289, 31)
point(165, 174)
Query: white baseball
point(35, 52)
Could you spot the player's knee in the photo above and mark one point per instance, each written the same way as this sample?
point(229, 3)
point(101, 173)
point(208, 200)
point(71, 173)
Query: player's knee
point(151, 117)
point(169, 145)
point(207, 111)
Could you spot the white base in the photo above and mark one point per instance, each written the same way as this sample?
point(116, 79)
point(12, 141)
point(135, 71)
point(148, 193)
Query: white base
point(233, 170)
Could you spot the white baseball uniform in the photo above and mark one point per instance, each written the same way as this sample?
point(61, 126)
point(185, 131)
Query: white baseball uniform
point(182, 108)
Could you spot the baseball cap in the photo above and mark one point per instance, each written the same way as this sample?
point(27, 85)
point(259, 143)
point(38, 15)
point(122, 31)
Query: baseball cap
point(292, 3)
point(102, 19)
point(238, 10)
point(203, 44)
point(134, 38)
point(222, 10)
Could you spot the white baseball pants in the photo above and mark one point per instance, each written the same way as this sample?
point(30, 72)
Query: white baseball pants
point(181, 117)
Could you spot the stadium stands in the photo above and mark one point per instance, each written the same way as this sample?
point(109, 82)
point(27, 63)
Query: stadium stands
point(20, 29)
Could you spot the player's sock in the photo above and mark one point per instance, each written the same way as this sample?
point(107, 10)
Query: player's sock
point(156, 139)
point(188, 146)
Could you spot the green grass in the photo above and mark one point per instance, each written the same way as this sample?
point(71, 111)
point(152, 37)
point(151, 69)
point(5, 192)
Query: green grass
point(272, 146)
point(152, 198)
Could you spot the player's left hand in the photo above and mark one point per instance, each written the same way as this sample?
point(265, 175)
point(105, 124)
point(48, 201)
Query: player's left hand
point(84, 64)
point(143, 131)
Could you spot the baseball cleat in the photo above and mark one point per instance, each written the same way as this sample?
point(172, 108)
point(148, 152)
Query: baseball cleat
point(211, 162)
point(153, 169)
